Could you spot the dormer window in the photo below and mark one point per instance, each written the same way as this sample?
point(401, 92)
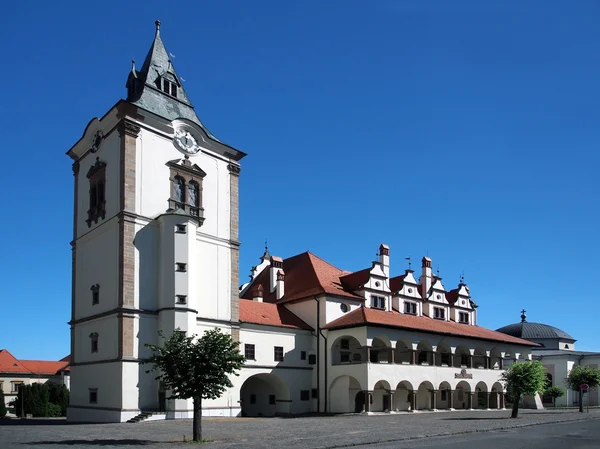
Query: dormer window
point(463, 317)
point(169, 87)
point(377, 302)
point(410, 308)
point(439, 313)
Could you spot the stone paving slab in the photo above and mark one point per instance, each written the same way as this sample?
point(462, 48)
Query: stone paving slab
point(253, 433)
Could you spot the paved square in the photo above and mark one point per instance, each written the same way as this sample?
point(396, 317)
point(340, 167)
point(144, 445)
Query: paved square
point(250, 433)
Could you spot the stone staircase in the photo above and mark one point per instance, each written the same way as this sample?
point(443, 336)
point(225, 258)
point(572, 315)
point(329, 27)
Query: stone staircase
point(148, 416)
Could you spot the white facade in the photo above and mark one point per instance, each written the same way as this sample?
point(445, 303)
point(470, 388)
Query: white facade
point(155, 248)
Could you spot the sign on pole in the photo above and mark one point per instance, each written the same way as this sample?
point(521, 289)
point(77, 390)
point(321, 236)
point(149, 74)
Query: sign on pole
point(584, 387)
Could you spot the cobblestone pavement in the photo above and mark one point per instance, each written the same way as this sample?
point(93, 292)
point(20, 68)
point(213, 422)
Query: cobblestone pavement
point(250, 433)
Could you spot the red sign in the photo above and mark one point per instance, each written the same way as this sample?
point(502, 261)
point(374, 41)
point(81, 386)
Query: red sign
point(584, 387)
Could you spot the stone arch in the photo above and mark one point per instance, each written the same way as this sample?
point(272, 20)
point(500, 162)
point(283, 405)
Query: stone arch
point(444, 396)
point(403, 396)
point(403, 352)
point(381, 397)
point(496, 358)
point(381, 350)
point(343, 394)
point(443, 355)
point(425, 396)
point(496, 396)
point(481, 395)
point(424, 353)
point(461, 396)
point(347, 350)
point(480, 358)
point(264, 395)
point(462, 357)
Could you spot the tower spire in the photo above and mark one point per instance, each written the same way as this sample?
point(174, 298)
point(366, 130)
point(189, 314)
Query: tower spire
point(157, 23)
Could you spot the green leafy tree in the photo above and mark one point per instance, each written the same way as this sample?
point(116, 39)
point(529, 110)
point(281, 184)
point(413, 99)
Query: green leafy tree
point(524, 379)
point(554, 392)
point(59, 395)
point(196, 368)
point(2, 405)
point(583, 375)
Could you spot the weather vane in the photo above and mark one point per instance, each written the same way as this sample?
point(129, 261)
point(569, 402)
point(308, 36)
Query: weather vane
point(409, 262)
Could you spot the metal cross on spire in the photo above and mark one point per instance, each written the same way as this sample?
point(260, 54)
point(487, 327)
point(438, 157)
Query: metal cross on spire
point(523, 316)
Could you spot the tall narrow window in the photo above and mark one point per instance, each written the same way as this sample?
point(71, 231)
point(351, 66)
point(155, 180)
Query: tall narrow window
point(278, 354)
point(97, 177)
point(94, 341)
point(95, 294)
point(179, 192)
point(194, 195)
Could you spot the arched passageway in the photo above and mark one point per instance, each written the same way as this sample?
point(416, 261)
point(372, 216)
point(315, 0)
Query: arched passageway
point(346, 395)
point(481, 396)
point(403, 396)
point(382, 400)
point(264, 395)
point(444, 396)
point(497, 396)
point(425, 396)
point(461, 396)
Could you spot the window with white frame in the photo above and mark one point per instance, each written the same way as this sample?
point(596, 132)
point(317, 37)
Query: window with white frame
point(463, 317)
point(439, 313)
point(410, 308)
point(377, 302)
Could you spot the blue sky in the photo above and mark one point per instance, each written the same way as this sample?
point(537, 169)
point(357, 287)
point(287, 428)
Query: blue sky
point(465, 130)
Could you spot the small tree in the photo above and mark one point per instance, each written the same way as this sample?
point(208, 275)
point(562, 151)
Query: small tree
point(524, 379)
point(581, 375)
point(554, 392)
point(2, 405)
point(196, 368)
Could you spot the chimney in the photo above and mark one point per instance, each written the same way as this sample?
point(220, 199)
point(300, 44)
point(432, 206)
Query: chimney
point(425, 276)
point(279, 288)
point(384, 258)
point(257, 293)
point(276, 265)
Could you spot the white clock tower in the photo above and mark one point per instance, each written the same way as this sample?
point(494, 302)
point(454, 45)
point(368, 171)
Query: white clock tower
point(155, 242)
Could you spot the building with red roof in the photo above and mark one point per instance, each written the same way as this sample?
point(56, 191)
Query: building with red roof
point(15, 372)
point(378, 342)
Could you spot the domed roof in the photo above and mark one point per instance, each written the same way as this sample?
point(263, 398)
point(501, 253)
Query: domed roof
point(529, 331)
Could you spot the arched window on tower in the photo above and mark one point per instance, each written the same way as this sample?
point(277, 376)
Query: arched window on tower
point(179, 192)
point(194, 196)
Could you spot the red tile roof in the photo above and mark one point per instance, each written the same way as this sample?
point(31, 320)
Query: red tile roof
point(366, 316)
point(269, 315)
point(354, 281)
point(306, 275)
point(10, 364)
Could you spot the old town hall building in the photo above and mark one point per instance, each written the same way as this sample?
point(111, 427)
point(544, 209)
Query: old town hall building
point(155, 247)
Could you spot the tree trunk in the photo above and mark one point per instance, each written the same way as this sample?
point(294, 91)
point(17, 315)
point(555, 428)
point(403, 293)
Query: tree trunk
point(515, 409)
point(197, 436)
point(580, 401)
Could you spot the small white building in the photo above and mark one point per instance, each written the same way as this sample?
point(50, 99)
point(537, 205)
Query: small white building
point(155, 247)
point(557, 353)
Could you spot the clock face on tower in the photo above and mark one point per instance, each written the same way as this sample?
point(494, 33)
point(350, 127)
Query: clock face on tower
point(185, 141)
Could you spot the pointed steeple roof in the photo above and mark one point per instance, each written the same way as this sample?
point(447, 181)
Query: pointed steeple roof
point(145, 88)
